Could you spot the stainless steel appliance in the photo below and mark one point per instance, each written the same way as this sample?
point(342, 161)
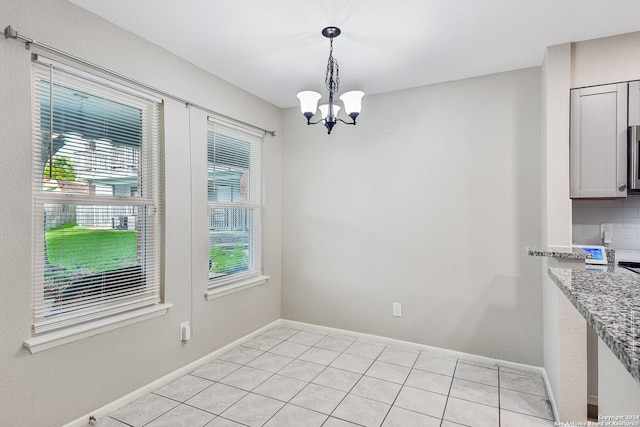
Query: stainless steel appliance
point(633, 159)
point(630, 265)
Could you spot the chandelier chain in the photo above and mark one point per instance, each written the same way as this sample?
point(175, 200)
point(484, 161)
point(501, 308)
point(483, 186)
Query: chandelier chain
point(332, 77)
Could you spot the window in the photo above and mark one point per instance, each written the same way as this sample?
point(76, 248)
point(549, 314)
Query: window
point(234, 205)
point(96, 198)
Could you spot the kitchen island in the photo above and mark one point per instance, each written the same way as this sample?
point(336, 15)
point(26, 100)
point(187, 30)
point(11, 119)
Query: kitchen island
point(610, 303)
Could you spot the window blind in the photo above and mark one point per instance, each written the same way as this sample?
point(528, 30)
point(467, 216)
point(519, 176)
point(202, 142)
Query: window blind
point(96, 197)
point(234, 203)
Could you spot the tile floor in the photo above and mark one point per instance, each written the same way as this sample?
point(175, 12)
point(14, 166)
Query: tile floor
point(305, 377)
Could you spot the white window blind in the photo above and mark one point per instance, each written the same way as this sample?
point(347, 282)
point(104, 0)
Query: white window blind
point(96, 198)
point(234, 204)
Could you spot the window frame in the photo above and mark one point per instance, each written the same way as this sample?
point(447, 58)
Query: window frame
point(224, 285)
point(63, 327)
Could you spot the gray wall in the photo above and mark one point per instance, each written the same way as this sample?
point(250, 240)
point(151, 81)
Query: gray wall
point(61, 384)
point(428, 201)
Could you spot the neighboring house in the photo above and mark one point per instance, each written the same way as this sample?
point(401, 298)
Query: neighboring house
point(101, 167)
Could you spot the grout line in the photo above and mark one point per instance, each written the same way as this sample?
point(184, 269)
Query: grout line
point(324, 366)
point(164, 413)
point(273, 374)
point(361, 376)
point(402, 386)
point(453, 375)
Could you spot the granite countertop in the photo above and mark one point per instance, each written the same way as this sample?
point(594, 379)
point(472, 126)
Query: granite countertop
point(610, 302)
point(559, 252)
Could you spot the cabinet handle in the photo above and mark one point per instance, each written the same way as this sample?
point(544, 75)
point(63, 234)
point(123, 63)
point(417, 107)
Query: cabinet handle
point(622, 187)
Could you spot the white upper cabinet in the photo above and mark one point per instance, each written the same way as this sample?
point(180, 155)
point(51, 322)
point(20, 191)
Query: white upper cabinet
point(634, 103)
point(599, 141)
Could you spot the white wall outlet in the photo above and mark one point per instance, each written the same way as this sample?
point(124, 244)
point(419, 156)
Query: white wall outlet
point(397, 309)
point(606, 227)
point(185, 331)
point(606, 233)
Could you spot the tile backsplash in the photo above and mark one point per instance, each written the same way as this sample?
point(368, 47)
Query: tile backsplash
point(624, 214)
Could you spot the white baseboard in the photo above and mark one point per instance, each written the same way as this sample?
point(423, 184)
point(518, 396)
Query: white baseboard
point(444, 352)
point(117, 404)
point(407, 344)
point(135, 395)
point(554, 407)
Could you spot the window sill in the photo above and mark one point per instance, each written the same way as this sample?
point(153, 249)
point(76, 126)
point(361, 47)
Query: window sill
point(76, 333)
point(236, 287)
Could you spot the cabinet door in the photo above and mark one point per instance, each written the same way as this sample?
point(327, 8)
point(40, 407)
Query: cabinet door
point(599, 141)
point(634, 103)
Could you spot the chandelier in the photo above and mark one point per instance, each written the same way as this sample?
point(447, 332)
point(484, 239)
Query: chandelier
point(309, 99)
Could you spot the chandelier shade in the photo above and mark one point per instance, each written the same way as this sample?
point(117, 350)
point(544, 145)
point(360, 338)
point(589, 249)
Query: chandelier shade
point(324, 110)
point(352, 101)
point(309, 101)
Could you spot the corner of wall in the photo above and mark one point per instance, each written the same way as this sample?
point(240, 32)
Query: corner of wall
point(556, 204)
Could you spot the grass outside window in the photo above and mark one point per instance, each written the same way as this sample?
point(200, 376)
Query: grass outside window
point(91, 251)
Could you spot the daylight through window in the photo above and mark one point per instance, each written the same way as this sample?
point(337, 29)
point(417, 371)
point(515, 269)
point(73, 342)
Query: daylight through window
point(96, 198)
point(234, 203)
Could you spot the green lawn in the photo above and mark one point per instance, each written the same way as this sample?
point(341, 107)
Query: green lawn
point(72, 248)
point(92, 251)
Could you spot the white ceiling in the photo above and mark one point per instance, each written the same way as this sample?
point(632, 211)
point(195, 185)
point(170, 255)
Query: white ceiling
point(274, 49)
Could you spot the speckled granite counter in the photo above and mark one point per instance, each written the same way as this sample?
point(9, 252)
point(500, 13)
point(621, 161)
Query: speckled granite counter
point(556, 252)
point(610, 302)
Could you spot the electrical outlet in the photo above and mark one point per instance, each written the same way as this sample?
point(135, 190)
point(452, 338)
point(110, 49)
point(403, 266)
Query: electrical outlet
point(185, 331)
point(397, 309)
point(605, 227)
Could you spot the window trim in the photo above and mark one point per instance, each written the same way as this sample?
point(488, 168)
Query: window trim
point(245, 280)
point(95, 322)
point(94, 78)
point(52, 339)
point(236, 286)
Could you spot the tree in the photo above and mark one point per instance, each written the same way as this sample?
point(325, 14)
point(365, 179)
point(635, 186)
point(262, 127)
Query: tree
point(58, 168)
point(62, 169)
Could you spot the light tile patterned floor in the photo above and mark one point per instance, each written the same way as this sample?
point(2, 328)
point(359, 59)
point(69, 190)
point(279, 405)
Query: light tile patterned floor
point(307, 378)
